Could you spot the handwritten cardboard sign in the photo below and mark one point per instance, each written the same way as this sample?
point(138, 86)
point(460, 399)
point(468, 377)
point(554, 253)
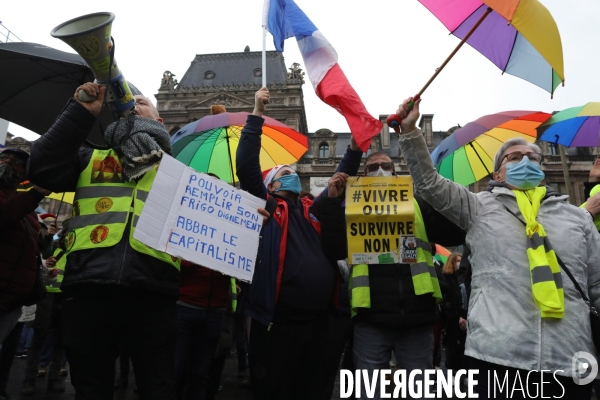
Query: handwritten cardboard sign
point(201, 219)
point(380, 220)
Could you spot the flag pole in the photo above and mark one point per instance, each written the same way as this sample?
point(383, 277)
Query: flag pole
point(264, 57)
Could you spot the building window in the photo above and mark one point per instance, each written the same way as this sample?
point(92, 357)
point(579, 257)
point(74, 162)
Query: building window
point(323, 150)
point(257, 73)
point(553, 149)
point(369, 151)
point(209, 75)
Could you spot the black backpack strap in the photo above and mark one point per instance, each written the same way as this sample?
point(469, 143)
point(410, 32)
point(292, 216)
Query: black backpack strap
point(271, 206)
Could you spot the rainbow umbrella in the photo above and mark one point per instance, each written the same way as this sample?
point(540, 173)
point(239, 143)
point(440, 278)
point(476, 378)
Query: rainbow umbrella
point(519, 36)
point(467, 155)
point(442, 253)
point(210, 144)
point(573, 127)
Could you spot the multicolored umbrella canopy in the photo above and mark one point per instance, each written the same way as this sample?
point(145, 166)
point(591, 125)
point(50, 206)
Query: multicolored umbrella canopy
point(66, 197)
point(210, 144)
point(573, 127)
point(519, 36)
point(468, 154)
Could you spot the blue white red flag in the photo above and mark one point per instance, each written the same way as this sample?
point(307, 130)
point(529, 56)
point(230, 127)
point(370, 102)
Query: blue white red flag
point(284, 19)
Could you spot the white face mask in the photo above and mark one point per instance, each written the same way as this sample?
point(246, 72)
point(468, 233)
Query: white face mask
point(457, 264)
point(380, 172)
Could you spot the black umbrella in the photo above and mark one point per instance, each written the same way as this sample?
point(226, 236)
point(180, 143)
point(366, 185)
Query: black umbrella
point(36, 82)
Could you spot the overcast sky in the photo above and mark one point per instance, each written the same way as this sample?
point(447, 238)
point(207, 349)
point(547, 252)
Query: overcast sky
point(388, 50)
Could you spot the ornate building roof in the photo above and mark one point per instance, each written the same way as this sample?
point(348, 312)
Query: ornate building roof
point(227, 69)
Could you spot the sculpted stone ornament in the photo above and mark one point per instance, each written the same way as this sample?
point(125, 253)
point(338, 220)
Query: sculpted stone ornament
point(168, 81)
point(296, 73)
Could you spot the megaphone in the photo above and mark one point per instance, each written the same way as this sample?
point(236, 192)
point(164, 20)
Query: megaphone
point(90, 36)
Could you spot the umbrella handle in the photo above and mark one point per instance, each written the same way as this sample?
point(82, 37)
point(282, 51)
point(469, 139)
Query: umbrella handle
point(394, 120)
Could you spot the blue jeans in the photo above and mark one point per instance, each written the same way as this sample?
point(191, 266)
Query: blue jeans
point(25, 340)
point(197, 339)
point(373, 346)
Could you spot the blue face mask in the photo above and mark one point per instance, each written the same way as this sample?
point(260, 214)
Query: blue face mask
point(524, 175)
point(289, 183)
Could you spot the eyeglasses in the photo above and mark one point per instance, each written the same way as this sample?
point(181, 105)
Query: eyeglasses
point(518, 156)
point(386, 166)
point(12, 158)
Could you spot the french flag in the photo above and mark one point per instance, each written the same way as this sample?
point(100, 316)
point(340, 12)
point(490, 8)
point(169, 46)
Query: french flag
point(284, 19)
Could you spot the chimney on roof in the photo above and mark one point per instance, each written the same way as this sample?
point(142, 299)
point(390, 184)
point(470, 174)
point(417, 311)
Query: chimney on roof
point(246, 49)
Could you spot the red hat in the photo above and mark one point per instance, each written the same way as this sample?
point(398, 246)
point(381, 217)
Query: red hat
point(269, 174)
point(47, 215)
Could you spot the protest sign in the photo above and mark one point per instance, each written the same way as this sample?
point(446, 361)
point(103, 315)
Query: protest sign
point(380, 220)
point(201, 219)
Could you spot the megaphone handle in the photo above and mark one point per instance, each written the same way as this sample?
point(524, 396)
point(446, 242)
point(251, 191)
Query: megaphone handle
point(83, 96)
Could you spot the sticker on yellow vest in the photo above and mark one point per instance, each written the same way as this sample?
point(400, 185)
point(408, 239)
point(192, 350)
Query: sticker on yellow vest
point(107, 169)
point(70, 240)
point(76, 209)
point(379, 211)
point(103, 205)
point(408, 250)
point(99, 234)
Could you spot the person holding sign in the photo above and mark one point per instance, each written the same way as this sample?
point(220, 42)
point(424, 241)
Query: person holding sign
point(394, 295)
point(115, 288)
point(525, 312)
point(294, 281)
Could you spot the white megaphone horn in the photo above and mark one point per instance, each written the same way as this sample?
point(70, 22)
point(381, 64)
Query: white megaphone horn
point(90, 37)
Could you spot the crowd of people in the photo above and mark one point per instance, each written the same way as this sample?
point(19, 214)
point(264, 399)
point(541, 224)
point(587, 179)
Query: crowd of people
point(504, 303)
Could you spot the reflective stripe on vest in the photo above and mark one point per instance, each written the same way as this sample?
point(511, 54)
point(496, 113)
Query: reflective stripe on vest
point(360, 290)
point(54, 287)
point(424, 276)
point(104, 203)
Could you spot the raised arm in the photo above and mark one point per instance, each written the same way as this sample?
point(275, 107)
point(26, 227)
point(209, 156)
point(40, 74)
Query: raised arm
point(248, 167)
point(55, 162)
point(333, 219)
point(349, 165)
point(450, 199)
point(592, 238)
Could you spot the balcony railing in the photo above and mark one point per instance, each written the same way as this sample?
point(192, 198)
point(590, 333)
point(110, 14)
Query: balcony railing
point(570, 158)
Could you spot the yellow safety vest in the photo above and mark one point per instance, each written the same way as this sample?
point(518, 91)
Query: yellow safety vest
point(104, 203)
point(593, 192)
point(424, 276)
point(233, 294)
point(54, 287)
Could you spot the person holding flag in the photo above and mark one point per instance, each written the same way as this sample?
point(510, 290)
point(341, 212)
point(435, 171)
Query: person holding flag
point(296, 281)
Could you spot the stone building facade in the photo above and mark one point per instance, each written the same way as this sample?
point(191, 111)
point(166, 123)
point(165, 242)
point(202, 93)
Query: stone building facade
point(231, 79)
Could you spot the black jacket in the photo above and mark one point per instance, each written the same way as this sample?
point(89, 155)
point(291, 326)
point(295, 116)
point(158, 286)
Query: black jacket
point(587, 188)
point(393, 300)
point(56, 162)
point(464, 281)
